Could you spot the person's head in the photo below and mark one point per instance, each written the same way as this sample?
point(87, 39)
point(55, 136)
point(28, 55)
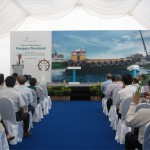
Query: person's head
point(10, 81)
point(1, 79)
point(143, 77)
point(26, 77)
point(109, 76)
point(21, 79)
point(135, 80)
point(29, 77)
point(127, 79)
point(15, 75)
point(118, 78)
point(33, 81)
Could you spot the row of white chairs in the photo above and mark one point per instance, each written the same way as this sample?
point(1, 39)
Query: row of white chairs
point(9, 117)
point(119, 124)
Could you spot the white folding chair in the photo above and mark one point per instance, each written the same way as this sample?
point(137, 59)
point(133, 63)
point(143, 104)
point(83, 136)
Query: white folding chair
point(38, 114)
point(104, 106)
point(113, 117)
point(142, 105)
point(47, 98)
point(146, 143)
point(9, 117)
point(43, 101)
point(122, 129)
point(3, 140)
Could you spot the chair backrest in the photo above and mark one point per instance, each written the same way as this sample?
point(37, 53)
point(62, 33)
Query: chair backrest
point(7, 109)
point(26, 102)
point(43, 86)
point(125, 107)
point(115, 93)
point(142, 105)
point(146, 143)
point(34, 94)
point(40, 94)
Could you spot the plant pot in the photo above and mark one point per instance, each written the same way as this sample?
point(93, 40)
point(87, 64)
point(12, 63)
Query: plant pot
point(95, 98)
point(60, 98)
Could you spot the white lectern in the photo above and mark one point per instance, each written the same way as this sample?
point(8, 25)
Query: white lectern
point(18, 69)
point(74, 74)
point(134, 69)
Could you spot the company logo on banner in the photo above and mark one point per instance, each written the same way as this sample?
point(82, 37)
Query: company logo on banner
point(31, 54)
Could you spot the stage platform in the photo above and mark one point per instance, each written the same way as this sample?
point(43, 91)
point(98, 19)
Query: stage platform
point(72, 85)
point(78, 91)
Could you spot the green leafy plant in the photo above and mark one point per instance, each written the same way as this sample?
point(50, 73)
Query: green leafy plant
point(58, 90)
point(143, 81)
point(95, 90)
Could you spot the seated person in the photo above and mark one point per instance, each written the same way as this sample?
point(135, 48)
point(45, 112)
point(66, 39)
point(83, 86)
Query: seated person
point(136, 119)
point(23, 89)
point(33, 86)
point(126, 92)
point(33, 83)
point(106, 83)
point(117, 83)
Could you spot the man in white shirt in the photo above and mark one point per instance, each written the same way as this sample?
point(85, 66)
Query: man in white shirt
point(18, 101)
point(106, 83)
point(117, 83)
point(126, 92)
point(23, 89)
point(134, 119)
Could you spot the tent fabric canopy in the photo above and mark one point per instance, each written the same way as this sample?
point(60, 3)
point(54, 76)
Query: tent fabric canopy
point(14, 12)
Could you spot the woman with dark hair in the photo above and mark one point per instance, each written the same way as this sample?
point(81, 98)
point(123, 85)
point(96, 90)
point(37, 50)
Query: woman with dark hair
point(33, 83)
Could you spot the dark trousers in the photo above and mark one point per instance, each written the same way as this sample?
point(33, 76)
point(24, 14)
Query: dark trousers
point(109, 104)
point(131, 141)
point(20, 116)
point(31, 108)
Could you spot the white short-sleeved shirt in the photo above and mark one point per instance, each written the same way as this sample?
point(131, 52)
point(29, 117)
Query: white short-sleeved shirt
point(124, 93)
point(23, 89)
point(15, 96)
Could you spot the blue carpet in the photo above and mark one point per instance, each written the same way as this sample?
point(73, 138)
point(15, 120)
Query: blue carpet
point(75, 125)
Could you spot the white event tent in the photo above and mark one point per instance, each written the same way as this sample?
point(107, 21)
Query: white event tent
point(46, 15)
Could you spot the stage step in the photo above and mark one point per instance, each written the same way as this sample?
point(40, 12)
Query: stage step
point(80, 93)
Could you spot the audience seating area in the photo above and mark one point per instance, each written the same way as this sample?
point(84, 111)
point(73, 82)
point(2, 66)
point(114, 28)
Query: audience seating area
point(42, 104)
point(119, 124)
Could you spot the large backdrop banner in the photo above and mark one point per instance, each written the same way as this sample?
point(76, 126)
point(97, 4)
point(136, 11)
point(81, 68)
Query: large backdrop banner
point(31, 54)
point(46, 55)
point(98, 52)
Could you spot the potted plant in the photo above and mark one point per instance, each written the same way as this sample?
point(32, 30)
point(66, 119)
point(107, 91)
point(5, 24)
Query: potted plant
point(59, 92)
point(95, 92)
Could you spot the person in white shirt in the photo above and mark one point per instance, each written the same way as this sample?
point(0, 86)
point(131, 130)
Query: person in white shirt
point(126, 92)
point(106, 83)
point(117, 82)
point(137, 119)
point(23, 89)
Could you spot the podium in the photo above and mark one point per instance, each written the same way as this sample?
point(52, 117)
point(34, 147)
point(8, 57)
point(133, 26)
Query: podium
point(74, 74)
point(134, 69)
point(18, 69)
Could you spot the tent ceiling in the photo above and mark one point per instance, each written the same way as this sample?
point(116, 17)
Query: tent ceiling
point(14, 12)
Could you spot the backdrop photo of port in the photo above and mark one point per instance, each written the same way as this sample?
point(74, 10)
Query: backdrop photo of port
point(98, 53)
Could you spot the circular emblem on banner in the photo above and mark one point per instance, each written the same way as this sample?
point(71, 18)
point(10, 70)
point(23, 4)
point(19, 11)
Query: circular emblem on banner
point(43, 64)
